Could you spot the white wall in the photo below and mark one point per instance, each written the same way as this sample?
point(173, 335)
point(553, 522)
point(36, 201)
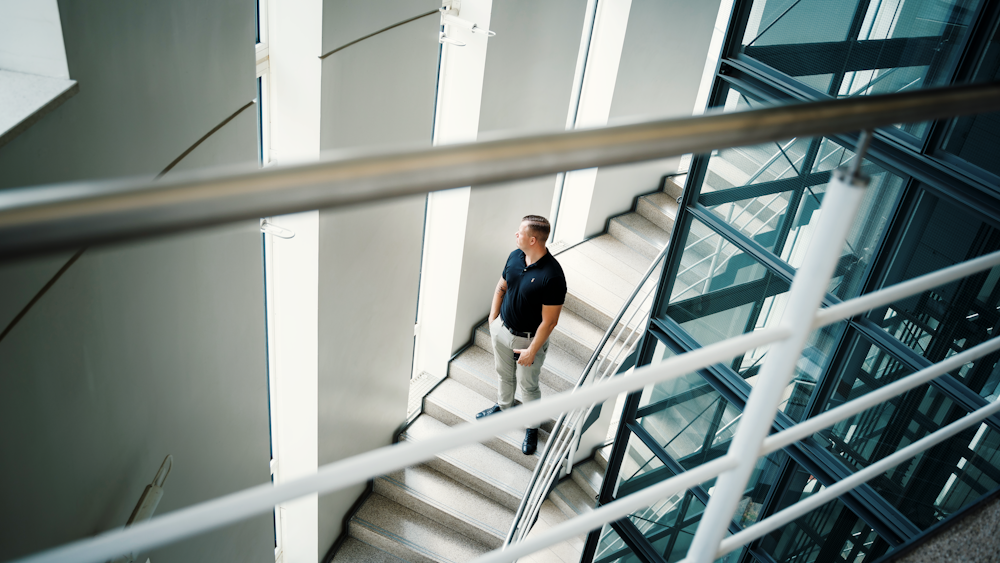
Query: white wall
point(31, 38)
point(659, 76)
point(377, 92)
point(295, 42)
point(148, 348)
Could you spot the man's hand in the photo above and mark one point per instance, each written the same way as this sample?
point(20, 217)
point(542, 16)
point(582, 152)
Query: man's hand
point(527, 357)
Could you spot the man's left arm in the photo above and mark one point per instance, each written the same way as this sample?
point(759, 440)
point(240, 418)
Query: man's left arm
point(550, 317)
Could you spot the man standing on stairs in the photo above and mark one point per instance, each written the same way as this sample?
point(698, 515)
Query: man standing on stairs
point(525, 310)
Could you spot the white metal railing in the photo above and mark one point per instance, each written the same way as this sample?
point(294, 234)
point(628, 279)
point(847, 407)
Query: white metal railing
point(802, 315)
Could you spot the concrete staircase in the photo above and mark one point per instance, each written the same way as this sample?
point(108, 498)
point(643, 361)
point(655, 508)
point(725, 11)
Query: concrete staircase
point(461, 504)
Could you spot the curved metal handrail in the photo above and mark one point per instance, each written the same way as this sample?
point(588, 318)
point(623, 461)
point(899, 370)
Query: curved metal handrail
point(564, 434)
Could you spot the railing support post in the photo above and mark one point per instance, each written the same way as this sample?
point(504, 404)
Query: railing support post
point(840, 205)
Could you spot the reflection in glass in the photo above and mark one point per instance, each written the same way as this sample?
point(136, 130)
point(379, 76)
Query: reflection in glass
point(861, 48)
point(936, 482)
point(830, 533)
point(948, 319)
point(862, 240)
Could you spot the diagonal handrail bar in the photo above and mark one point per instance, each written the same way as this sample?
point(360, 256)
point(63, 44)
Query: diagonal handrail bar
point(557, 429)
point(77, 214)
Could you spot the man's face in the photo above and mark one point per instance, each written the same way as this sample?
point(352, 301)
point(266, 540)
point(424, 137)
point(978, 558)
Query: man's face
point(522, 237)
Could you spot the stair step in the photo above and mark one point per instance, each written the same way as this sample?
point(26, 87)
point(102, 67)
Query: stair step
point(674, 186)
point(588, 475)
point(354, 550)
point(596, 293)
point(453, 403)
point(414, 537)
point(474, 465)
point(571, 499)
point(659, 209)
point(447, 502)
point(639, 234)
point(602, 455)
point(616, 255)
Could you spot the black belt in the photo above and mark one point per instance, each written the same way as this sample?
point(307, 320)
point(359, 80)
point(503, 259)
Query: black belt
point(516, 332)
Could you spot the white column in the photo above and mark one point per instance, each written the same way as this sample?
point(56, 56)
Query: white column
point(294, 46)
point(460, 89)
point(606, 42)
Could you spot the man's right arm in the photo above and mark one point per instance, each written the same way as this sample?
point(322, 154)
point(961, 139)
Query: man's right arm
point(497, 299)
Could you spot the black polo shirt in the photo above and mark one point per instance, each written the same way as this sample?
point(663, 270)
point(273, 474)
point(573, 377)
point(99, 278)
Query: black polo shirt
point(530, 287)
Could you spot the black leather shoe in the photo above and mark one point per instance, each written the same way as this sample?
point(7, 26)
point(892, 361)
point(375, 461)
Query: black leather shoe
point(530, 441)
point(492, 410)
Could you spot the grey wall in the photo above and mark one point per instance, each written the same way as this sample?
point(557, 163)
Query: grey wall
point(662, 60)
point(530, 65)
point(526, 87)
point(148, 348)
point(377, 92)
point(154, 78)
point(349, 20)
point(380, 91)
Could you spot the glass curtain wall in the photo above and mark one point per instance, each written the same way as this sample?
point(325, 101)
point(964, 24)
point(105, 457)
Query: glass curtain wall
point(745, 223)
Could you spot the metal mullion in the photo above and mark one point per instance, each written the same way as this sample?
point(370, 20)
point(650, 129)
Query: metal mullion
point(668, 462)
point(672, 261)
point(611, 473)
point(721, 377)
point(733, 41)
point(748, 68)
point(688, 395)
point(791, 211)
point(763, 188)
point(974, 44)
point(744, 243)
point(946, 383)
point(853, 32)
point(634, 539)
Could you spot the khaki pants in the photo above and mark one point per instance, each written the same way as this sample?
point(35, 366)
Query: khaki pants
point(509, 372)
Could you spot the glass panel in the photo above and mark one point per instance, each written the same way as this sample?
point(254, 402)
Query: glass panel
point(830, 533)
point(758, 218)
point(691, 420)
point(639, 461)
point(948, 319)
point(862, 240)
point(670, 524)
point(694, 424)
point(611, 548)
point(975, 138)
point(813, 363)
point(718, 286)
point(865, 47)
point(936, 482)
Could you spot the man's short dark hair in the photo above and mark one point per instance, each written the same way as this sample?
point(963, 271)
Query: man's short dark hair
point(538, 226)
